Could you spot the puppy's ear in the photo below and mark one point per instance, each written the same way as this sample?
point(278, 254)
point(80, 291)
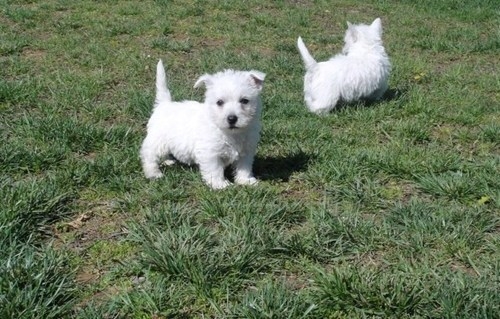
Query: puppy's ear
point(257, 78)
point(352, 33)
point(349, 25)
point(204, 79)
point(377, 25)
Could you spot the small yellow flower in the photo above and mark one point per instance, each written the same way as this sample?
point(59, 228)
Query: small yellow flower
point(419, 76)
point(483, 200)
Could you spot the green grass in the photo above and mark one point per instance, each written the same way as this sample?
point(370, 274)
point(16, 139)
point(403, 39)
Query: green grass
point(389, 210)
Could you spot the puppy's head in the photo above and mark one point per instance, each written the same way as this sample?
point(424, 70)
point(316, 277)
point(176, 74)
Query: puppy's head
point(362, 33)
point(233, 98)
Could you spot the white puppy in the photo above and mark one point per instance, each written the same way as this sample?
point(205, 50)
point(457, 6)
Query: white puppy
point(223, 130)
point(360, 72)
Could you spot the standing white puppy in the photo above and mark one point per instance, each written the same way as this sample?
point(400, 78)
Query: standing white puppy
point(222, 131)
point(360, 72)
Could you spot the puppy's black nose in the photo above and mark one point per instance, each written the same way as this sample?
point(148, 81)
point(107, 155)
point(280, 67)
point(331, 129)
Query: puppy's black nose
point(232, 119)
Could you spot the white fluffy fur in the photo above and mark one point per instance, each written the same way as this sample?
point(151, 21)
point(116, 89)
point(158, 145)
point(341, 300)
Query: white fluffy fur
point(223, 130)
point(360, 72)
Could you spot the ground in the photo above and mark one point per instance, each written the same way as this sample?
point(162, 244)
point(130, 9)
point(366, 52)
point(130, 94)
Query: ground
point(381, 210)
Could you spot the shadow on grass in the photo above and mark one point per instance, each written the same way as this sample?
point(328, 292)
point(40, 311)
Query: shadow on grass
point(389, 95)
point(267, 168)
point(282, 167)
point(394, 94)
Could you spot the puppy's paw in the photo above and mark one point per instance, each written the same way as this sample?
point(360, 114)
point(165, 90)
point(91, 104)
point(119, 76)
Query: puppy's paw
point(246, 181)
point(168, 162)
point(154, 175)
point(219, 184)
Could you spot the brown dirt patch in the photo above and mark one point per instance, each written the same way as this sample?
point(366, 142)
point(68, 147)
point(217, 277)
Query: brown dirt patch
point(34, 54)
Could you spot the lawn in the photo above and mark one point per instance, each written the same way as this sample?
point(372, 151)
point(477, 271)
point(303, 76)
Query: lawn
point(382, 210)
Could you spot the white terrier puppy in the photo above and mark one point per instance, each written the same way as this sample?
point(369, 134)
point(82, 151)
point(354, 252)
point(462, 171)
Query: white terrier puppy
point(360, 72)
point(222, 131)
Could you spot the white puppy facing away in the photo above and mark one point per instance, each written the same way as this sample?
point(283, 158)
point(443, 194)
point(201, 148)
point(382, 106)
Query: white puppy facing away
point(360, 72)
point(222, 131)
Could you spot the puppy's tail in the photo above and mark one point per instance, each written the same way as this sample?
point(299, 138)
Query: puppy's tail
point(162, 92)
point(309, 61)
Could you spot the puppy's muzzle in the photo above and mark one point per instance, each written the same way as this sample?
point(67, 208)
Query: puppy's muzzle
point(231, 120)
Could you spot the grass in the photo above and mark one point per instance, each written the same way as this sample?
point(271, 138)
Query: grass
point(389, 210)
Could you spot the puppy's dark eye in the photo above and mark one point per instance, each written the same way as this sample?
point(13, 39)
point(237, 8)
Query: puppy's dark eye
point(244, 101)
point(220, 102)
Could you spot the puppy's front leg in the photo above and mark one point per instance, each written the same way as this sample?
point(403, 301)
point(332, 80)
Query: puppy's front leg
point(212, 172)
point(243, 170)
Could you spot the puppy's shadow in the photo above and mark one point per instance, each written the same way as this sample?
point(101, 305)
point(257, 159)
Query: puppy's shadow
point(389, 95)
point(393, 94)
point(280, 168)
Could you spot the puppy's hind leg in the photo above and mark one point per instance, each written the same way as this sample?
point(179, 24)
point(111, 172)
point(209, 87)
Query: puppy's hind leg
point(151, 169)
point(323, 104)
point(150, 161)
